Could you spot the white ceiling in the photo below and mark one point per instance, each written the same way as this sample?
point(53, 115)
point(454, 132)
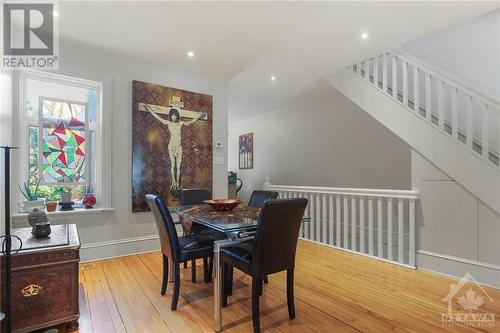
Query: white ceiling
point(245, 43)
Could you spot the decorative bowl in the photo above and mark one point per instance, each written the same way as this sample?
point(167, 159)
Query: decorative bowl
point(223, 205)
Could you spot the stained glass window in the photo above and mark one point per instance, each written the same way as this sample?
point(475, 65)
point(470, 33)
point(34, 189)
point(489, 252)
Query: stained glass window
point(63, 142)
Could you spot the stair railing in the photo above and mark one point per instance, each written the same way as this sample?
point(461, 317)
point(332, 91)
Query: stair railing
point(462, 113)
point(376, 223)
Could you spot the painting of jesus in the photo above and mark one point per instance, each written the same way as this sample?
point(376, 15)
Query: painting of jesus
point(171, 140)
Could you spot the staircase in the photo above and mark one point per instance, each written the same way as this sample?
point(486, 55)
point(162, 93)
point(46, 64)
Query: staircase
point(454, 126)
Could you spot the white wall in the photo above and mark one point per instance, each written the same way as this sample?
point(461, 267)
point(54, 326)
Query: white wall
point(456, 232)
point(321, 139)
point(123, 232)
point(469, 51)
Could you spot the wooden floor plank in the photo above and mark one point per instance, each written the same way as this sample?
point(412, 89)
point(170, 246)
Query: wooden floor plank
point(335, 291)
point(137, 312)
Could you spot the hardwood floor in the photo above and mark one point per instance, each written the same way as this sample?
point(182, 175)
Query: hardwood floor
point(334, 292)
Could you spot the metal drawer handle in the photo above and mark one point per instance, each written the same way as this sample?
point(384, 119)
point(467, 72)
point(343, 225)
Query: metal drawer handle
point(31, 290)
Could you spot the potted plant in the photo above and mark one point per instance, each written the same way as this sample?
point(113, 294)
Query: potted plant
point(32, 200)
point(51, 204)
point(66, 194)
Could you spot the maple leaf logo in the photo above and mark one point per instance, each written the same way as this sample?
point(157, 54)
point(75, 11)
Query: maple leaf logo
point(471, 301)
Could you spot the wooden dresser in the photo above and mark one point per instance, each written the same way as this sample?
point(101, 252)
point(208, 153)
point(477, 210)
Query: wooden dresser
point(45, 279)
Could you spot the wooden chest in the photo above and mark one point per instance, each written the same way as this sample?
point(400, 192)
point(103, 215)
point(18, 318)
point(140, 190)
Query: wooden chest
point(44, 279)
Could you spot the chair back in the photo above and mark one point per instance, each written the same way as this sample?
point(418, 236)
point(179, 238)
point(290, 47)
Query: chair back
point(195, 196)
point(277, 235)
point(165, 225)
point(259, 197)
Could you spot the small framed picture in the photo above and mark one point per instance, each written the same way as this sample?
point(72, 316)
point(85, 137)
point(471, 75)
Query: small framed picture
point(246, 151)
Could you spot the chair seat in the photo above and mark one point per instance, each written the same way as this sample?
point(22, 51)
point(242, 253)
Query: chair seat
point(239, 255)
point(198, 245)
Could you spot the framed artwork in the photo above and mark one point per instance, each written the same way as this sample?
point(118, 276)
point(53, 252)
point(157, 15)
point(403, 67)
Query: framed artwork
point(171, 142)
point(245, 151)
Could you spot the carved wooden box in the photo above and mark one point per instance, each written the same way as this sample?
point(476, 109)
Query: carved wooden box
point(44, 279)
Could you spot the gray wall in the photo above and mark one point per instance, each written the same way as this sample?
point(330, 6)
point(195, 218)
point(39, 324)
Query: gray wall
point(468, 51)
point(321, 138)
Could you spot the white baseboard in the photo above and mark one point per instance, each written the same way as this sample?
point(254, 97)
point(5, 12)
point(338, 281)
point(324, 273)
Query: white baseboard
point(484, 273)
point(119, 248)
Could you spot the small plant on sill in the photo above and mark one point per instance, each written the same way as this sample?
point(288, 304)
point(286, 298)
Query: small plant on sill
point(32, 198)
point(28, 193)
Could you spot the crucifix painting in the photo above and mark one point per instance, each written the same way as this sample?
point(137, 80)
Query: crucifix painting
point(171, 142)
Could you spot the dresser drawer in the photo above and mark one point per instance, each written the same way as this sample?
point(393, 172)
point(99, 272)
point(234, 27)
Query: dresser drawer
point(44, 295)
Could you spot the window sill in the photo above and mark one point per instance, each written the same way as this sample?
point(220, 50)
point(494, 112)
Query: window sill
point(63, 216)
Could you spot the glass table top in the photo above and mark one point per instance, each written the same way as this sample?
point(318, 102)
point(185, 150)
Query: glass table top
point(229, 223)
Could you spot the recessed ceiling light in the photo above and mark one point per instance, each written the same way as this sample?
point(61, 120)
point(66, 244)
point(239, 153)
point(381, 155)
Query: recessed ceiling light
point(190, 54)
point(273, 78)
point(56, 14)
point(364, 35)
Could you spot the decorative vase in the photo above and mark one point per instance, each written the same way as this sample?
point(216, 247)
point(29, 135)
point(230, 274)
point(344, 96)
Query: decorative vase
point(89, 200)
point(51, 206)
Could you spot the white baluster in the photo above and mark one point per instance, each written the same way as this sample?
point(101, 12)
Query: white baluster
point(395, 77)
point(308, 216)
point(353, 224)
point(498, 133)
point(484, 132)
point(317, 237)
point(299, 195)
point(454, 113)
point(312, 226)
point(469, 121)
point(440, 104)
point(380, 228)
point(416, 90)
point(323, 218)
point(400, 231)
point(384, 72)
point(370, 226)
point(405, 83)
point(359, 69)
point(362, 224)
point(330, 219)
point(375, 72)
point(346, 224)
point(337, 222)
point(389, 229)
point(428, 98)
point(411, 260)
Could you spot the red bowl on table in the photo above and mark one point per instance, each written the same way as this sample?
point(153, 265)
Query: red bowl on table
point(223, 205)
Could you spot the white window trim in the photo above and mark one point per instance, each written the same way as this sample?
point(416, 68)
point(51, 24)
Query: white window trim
point(102, 144)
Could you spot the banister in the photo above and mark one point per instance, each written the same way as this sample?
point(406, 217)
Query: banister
point(449, 79)
point(366, 192)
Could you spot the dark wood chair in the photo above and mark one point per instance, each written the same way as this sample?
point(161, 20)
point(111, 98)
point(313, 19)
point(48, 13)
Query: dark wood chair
point(258, 198)
point(195, 196)
point(189, 197)
point(272, 250)
point(179, 249)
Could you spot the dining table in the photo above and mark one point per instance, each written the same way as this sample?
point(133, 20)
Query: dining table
point(239, 225)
